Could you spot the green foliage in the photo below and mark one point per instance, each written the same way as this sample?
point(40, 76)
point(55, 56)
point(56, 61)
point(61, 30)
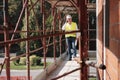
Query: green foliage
point(23, 60)
point(49, 22)
point(32, 27)
point(47, 5)
point(14, 48)
point(23, 67)
point(17, 54)
point(35, 60)
point(32, 60)
point(15, 7)
point(92, 79)
point(92, 1)
point(16, 62)
point(75, 18)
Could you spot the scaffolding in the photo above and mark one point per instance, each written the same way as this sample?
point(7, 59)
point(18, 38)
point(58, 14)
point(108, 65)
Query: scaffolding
point(79, 7)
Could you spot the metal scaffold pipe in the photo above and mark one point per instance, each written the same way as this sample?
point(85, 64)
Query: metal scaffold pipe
point(90, 63)
point(6, 37)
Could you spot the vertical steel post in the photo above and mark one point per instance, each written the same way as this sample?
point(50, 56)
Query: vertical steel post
point(27, 42)
point(19, 19)
point(44, 39)
point(54, 42)
point(79, 26)
point(78, 5)
point(60, 36)
point(6, 37)
point(54, 25)
point(84, 34)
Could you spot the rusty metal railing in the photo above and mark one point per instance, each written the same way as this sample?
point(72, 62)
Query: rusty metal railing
point(84, 62)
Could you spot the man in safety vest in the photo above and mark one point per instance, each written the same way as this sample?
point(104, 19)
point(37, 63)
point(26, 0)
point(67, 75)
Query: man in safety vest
point(70, 38)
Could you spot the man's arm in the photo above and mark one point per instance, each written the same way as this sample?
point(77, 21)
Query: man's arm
point(63, 27)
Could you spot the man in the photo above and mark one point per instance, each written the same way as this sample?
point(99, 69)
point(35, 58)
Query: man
point(70, 38)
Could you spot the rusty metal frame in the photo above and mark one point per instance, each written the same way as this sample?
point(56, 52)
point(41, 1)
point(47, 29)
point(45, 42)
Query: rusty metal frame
point(36, 37)
point(12, 41)
point(84, 39)
point(6, 36)
point(66, 73)
point(85, 63)
point(82, 16)
point(2, 64)
point(27, 42)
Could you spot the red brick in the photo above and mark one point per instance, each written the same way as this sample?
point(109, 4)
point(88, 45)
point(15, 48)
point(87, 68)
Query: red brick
point(112, 53)
point(114, 46)
point(119, 71)
point(112, 66)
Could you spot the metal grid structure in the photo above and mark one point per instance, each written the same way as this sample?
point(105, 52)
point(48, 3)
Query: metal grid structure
point(79, 7)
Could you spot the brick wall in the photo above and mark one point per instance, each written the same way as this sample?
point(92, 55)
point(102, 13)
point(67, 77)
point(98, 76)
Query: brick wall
point(112, 64)
point(114, 26)
point(113, 51)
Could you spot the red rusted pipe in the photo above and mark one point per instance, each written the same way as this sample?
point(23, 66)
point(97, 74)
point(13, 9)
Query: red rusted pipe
point(74, 4)
point(54, 41)
point(60, 36)
point(27, 42)
point(84, 39)
point(36, 37)
point(2, 65)
point(66, 74)
point(43, 25)
point(17, 57)
point(32, 7)
point(24, 6)
point(6, 37)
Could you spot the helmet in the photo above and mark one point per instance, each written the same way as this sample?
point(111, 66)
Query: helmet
point(68, 16)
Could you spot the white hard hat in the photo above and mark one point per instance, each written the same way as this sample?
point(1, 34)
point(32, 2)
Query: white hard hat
point(68, 16)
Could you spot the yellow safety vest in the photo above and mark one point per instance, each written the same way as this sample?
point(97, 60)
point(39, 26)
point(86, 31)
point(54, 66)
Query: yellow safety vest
point(70, 27)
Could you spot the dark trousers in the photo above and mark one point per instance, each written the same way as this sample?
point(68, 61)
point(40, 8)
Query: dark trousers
point(70, 41)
